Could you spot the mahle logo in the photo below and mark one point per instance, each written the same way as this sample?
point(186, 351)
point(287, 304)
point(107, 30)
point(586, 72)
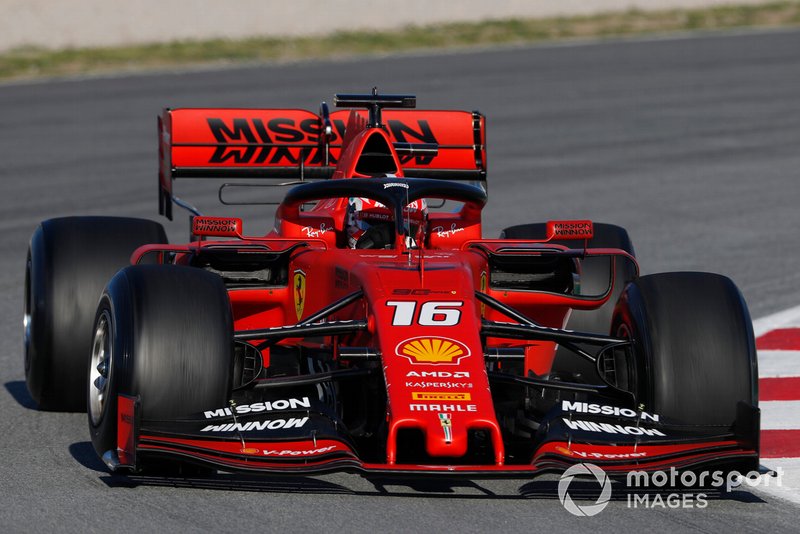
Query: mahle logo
point(584, 470)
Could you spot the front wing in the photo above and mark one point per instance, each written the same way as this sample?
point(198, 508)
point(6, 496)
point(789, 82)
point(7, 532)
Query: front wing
point(309, 441)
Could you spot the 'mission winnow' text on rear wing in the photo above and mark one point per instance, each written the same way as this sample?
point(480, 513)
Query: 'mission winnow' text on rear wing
point(298, 144)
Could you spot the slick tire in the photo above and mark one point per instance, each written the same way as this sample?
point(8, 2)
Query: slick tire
point(694, 349)
point(164, 334)
point(70, 260)
point(594, 281)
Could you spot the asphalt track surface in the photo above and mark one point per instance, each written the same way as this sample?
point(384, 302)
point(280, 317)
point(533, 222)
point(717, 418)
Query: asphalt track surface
point(692, 144)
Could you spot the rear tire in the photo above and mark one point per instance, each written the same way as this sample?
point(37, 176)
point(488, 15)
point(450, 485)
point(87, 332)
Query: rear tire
point(163, 333)
point(693, 344)
point(594, 281)
point(70, 260)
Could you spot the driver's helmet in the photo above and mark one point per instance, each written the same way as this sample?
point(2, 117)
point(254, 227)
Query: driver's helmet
point(370, 224)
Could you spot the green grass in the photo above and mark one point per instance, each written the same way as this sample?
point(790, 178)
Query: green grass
point(30, 62)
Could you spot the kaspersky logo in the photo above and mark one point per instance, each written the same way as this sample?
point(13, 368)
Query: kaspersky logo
point(430, 349)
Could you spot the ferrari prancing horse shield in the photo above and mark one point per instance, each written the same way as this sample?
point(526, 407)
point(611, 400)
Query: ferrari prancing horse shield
point(299, 284)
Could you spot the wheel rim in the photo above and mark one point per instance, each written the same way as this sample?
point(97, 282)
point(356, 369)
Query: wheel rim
point(100, 368)
point(26, 317)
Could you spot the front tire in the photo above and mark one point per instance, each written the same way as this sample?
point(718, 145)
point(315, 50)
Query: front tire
point(163, 333)
point(695, 356)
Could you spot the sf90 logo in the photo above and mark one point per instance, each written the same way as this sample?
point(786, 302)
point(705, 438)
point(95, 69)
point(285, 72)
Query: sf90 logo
point(432, 313)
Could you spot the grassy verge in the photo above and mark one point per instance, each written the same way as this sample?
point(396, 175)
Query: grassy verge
point(36, 62)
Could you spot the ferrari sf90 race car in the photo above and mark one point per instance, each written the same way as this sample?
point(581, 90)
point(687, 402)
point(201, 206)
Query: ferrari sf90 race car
point(375, 329)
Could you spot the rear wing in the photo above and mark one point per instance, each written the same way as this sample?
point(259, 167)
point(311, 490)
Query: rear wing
point(297, 144)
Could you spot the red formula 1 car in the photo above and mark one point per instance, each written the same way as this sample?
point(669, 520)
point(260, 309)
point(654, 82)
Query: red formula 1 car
point(376, 329)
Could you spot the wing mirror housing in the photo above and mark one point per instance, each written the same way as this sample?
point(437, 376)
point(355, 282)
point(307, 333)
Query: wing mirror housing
point(563, 230)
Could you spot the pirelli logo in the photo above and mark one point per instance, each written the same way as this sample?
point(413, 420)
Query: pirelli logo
point(435, 396)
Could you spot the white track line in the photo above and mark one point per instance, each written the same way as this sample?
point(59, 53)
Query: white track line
point(780, 415)
point(778, 363)
point(790, 317)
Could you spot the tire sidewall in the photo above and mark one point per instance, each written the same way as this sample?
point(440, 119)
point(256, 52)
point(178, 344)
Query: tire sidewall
point(631, 322)
point(38, 348)
point(116, 303)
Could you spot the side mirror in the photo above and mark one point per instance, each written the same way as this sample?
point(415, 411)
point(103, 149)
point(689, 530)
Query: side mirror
point(217, 227)
point(569, 230)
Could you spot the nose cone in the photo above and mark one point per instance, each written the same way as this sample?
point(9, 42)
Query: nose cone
point(433, 362)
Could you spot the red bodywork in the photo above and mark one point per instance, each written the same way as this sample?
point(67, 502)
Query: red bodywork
point(419, 304)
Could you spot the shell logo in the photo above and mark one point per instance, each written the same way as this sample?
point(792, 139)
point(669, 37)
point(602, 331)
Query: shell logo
point(434, 350)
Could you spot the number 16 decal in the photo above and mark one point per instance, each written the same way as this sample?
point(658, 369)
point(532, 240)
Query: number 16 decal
point(432, 313)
